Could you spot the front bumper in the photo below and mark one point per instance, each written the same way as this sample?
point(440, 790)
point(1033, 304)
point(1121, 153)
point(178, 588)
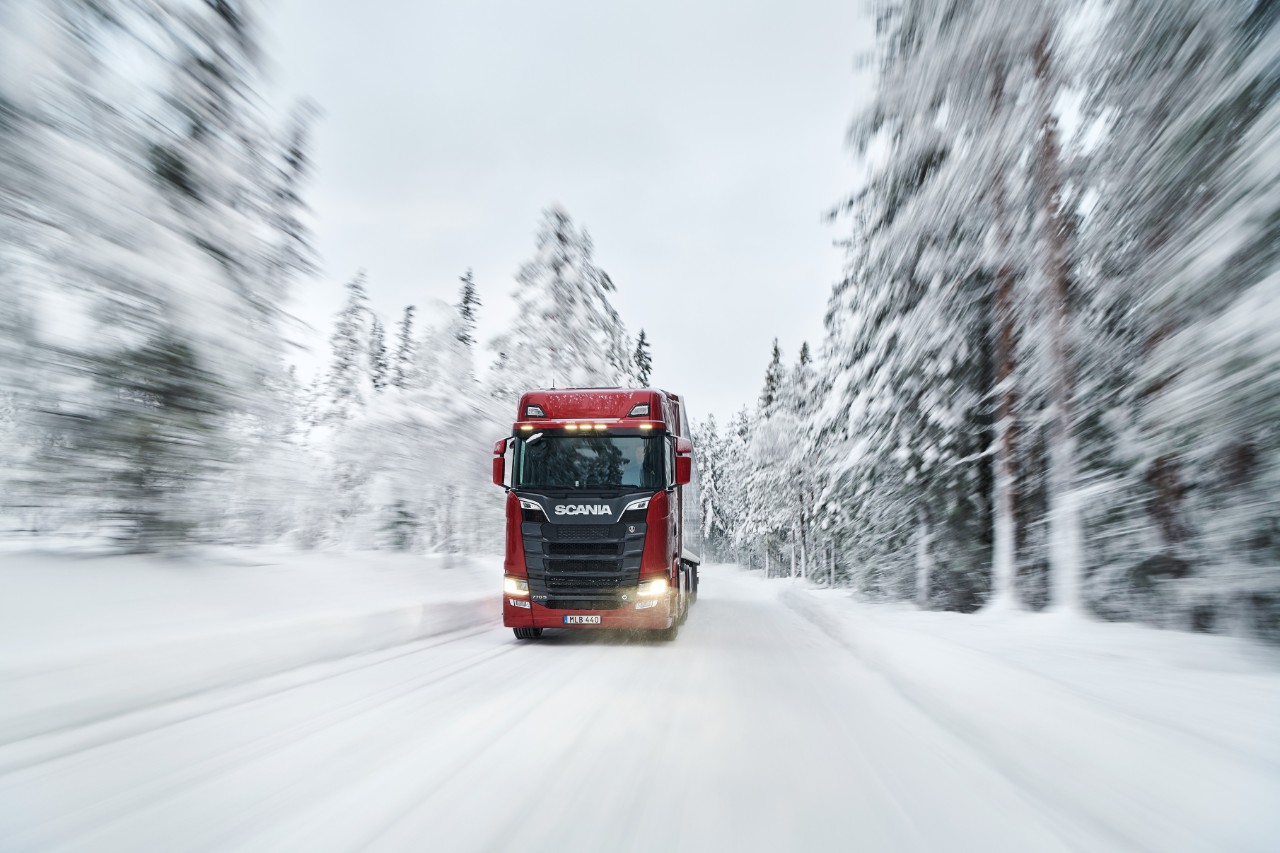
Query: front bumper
point(660, 616)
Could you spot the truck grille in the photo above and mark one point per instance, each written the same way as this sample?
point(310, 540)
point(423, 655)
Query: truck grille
point(580, 584)
point(578, 532)
point(583, 566)
point(585, 603)
point(574, 567)
point(579, 549)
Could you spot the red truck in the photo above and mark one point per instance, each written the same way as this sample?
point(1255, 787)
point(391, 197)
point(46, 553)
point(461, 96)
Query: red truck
point(601, 512)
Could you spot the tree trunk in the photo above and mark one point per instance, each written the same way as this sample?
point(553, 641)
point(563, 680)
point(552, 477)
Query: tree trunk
point(924, 564)
point(1065, 539)
point(804, 538)
point(1004, 548)
point(804, 568)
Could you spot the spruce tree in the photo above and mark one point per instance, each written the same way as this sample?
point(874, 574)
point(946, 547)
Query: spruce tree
point(155, 438)
point(378, 366)
point(151, 201)
point(1182, 244)
point(643, 362)
point(348, 382)
point(772, 382)
point(405, 349)
point(566, 330)
point(468, 302)
point(908, 324)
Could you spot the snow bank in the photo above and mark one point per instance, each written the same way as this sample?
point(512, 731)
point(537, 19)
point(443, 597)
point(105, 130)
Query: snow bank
point(86, 640)
point(1177, 735)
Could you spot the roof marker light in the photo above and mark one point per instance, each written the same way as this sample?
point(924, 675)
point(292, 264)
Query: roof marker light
point(571, 427)
point(601, 426)
point(527, 427)
point(646, 426)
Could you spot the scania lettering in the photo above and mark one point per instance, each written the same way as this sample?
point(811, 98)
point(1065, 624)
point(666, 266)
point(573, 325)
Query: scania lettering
point(601, 512)
point(561, 509)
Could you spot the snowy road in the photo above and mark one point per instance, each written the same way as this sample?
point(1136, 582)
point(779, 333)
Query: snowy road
point(753, 731)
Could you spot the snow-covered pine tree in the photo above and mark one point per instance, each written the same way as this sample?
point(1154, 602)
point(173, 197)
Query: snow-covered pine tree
point(139, 192)
point(270, 468)
point(770, 512)
point(292, 253)
point(468, 302)
point(566, 330)
point(233, 184)
point(349, 380)
point(799, 402)
point(903, 422)
point(1181, 238)
point(401, 366)
point(773, 378)
point(643, 361)
point(19, 383)
point(710, 452)
point(274, 487)
point(151, 437)
point(461, 367)
point(734, 483)
point(420, 492)
point(379, 368)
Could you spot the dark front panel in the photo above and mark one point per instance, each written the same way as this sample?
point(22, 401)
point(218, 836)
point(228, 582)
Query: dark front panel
point(584, 566)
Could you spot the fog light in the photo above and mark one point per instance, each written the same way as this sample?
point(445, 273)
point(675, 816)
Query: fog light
point(515, 602)
point(515, 586)
point(642, 605)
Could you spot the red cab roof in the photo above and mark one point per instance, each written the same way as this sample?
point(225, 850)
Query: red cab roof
point(601, 405)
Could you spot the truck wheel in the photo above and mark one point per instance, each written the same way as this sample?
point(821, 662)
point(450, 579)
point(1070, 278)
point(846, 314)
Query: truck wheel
point(527, 633)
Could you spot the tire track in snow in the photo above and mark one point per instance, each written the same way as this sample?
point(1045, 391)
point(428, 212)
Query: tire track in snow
point(50, 746)
point(154, 792)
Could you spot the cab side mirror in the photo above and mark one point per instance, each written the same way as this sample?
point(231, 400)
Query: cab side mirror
point(684, 470)
point(684, 461)
point(500, 462)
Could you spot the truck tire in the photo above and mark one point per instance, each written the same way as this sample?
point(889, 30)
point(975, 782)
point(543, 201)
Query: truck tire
point(527, 633)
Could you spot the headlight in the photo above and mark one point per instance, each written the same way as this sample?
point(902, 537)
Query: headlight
point(643, 503)
point(653, 588)
point(516, 586)
point(525, 503)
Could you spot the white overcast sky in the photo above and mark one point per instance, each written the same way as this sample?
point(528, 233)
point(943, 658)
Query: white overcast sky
point(700, 143)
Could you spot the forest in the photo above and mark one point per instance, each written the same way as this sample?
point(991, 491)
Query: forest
point(1049, 378)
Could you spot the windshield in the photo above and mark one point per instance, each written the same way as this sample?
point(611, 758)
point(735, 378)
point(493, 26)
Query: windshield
point(560, 461)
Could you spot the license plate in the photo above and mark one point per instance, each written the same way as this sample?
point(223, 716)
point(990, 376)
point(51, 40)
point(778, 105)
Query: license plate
point(582, 620)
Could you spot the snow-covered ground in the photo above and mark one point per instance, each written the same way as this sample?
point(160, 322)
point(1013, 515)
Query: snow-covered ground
point(86, 640)
point(1168, 740)
point(278, 701)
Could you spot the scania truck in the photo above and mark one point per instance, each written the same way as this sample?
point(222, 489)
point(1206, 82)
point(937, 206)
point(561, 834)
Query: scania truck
point(602, 523)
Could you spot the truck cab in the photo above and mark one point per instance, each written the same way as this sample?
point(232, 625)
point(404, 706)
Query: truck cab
point(601, 526)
